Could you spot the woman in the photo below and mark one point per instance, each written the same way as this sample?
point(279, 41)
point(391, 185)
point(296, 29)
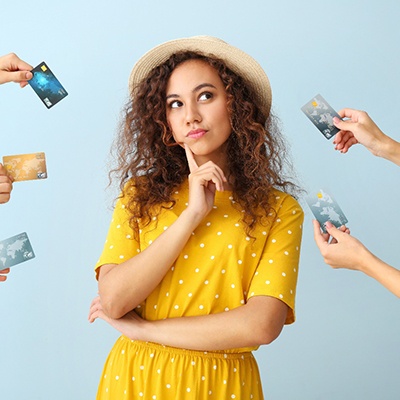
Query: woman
point(197, 271)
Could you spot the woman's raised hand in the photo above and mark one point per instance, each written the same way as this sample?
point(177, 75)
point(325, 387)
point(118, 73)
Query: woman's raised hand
point(204, 180)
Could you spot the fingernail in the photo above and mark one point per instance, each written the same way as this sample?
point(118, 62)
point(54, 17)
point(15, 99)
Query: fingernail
point(328, 224)
point(336, 120)
point(29, 75)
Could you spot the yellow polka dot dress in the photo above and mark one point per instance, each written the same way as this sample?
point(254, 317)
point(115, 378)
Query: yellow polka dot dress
point(219, 269)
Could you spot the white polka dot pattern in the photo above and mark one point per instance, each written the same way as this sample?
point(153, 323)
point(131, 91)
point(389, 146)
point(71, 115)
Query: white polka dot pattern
point(157, 374)
point(220, 264)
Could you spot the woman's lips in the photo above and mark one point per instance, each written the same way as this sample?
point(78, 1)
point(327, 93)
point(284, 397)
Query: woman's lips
point(196, 133)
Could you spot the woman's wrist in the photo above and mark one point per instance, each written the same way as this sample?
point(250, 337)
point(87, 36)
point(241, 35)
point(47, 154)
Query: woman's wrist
point(390, 150)
point(367, 262)
point(191, 219)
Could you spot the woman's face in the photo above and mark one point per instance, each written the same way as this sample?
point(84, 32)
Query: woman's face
point(197, 110)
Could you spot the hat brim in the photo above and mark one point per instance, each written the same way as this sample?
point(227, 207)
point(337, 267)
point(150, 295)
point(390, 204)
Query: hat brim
point(237, 60)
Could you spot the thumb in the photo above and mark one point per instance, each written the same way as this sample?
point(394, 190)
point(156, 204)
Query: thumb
point(21, 76)
point(5, 172)
point(342, 125)
point(319, 237)
point(333, 231)
point(15, 76)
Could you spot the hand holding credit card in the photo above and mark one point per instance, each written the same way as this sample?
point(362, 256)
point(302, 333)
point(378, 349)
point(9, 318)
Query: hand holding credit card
point(46, 85)
point(24, 167)
point(321, 115)
point(325, 208)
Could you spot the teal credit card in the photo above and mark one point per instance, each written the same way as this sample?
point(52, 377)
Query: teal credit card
point(325, 208)
point(15, 250)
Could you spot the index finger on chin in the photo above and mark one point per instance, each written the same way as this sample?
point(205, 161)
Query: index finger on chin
point(190, 158)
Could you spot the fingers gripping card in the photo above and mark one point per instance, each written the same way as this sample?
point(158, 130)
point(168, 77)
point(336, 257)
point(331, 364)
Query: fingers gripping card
point(321, 115)
point(25, 167)
point(15, 250)
point(325, 208)
point(46, 85)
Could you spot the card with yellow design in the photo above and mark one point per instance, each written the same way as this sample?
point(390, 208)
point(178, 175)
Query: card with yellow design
point(25, 167)
point(325, 208)
point(321, 114)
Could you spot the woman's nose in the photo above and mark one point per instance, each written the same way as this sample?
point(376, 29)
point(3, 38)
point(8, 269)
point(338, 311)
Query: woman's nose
point(192, 114)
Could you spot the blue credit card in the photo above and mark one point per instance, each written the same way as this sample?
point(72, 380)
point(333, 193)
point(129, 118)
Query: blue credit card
point(46, 85)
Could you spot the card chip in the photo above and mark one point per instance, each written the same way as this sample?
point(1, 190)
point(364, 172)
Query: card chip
point(43, 68)
point(314, 103)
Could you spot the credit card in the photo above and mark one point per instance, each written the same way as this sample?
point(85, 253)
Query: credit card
point(15, 250)
point(46, 85)
point(325, 208)
point(321, 115)
point(25, 167)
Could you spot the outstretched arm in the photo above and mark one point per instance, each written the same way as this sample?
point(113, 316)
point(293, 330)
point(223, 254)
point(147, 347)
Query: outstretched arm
point(360, 128)
point(348, 252)
point(258, 322)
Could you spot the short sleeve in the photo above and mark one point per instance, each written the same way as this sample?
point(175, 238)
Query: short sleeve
point(277, 271)
point(121, 243)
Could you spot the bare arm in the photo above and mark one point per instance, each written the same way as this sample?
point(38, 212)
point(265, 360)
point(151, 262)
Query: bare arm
point(385, 274)
point(348, 252)
point(258, 322)
point(360, 128)
point(122, 287)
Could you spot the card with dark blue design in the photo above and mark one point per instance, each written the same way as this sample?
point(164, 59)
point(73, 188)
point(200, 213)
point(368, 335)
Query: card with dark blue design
point(46, 85)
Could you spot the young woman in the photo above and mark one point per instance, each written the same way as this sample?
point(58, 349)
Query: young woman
point(201, 259)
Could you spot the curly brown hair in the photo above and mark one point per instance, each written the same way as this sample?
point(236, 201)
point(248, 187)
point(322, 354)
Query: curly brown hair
point(150, 166)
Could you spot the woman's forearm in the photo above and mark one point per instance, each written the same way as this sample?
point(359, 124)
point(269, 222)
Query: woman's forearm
point(122, 287)
point(385, 274)
point(258, 322)
point(391, 150)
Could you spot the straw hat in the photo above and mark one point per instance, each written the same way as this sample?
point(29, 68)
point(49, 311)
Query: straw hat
point(237, 60)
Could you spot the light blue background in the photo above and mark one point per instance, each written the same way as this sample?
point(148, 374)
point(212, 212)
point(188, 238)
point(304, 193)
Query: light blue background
point(346, 341)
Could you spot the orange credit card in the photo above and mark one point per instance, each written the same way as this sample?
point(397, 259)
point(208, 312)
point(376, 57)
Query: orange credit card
point(26, 167)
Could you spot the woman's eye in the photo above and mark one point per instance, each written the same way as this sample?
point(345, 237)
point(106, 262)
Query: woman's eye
point(205, 96)
point(175, 104)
